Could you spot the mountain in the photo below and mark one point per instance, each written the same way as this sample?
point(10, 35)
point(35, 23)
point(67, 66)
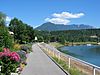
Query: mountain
point(55, 27)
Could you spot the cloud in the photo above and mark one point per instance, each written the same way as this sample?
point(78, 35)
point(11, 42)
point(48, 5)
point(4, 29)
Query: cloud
point(63, 18)
point(68, 15)
point(8, 19)
point(57, 20)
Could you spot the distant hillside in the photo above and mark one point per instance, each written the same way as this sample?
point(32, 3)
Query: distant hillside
point(55, 27)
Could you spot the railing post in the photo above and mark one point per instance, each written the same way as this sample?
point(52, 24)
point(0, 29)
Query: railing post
point(49, 51)
point(59, 56)
point(94, 71)
point(69, 62)
point(53, 53)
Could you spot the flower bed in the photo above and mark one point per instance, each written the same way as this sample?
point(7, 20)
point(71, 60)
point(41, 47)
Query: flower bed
point(9, 61)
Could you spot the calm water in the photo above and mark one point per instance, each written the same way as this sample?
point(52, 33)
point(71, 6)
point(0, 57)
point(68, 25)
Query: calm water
point(90, 54)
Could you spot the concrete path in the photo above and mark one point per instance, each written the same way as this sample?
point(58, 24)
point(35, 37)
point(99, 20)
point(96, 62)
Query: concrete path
point(38, 63)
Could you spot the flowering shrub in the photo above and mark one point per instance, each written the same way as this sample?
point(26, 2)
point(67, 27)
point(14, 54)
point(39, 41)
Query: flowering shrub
point(11, 55)
point(9, 61)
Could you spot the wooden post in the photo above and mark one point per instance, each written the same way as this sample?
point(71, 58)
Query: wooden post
point(94, 71)
point(69, 62)
point(46, 49)
point(53, 53)
point(49, 51)
point(59, 56)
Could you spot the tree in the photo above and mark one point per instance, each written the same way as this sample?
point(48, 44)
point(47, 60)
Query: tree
point(22, 32)
point(5, 37)
point(17, 27)
point(29, 33)
point(2, 19)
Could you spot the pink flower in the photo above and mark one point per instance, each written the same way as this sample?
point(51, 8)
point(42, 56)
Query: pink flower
point(12, 55)
point(1, 54)
point(6, 49)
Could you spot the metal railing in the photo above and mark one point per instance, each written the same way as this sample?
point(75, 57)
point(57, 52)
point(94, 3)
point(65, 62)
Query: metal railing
point(85, 67)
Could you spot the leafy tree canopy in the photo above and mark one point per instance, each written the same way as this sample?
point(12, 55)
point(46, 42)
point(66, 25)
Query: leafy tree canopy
point(2, 19)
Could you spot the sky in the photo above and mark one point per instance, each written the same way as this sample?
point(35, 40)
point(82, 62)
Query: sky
point(37, 12)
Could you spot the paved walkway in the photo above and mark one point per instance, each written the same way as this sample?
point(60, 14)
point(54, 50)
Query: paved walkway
point(38, 63)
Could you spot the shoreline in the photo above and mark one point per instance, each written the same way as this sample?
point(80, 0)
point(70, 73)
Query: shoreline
point(72, 54)
point(81, 65)
point(57, 44)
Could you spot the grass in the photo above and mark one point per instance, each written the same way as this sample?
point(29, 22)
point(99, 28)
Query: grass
point(56, 44)
point(64, 65)
point(80, 43)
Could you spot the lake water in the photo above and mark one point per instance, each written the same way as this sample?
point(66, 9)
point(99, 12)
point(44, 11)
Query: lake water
point(89, 54)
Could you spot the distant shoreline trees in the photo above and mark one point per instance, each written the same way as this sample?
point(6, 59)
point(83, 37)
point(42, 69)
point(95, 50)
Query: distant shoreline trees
point(70, 35)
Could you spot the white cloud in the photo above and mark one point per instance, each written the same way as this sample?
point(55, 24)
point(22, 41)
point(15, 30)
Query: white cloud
point(68, 15)
point(57, 20)
point(63, 18)
point(8, 19)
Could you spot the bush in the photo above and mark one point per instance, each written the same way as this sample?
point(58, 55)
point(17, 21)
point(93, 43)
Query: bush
point(16, 46)
point(9, 61)
point(1, 49)
point(5, 38)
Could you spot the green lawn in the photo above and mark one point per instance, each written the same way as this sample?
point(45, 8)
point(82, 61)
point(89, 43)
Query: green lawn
point(56, 44)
